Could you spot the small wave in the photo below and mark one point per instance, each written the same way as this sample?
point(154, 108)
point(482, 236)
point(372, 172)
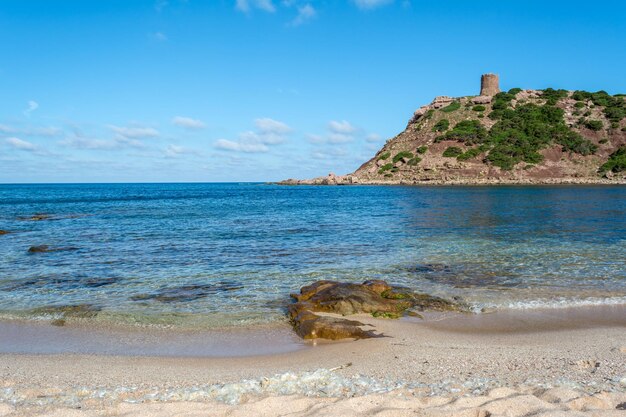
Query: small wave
point(554, 303)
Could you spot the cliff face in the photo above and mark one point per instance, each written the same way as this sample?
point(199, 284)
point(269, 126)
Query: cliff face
point(520, 136)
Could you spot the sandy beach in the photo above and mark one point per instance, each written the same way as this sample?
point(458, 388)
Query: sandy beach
point(534, 362)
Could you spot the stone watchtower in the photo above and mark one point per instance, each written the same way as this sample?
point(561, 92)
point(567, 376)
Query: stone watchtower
point(489, 84)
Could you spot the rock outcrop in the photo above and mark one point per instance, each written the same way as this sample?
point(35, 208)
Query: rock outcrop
point(373, 297)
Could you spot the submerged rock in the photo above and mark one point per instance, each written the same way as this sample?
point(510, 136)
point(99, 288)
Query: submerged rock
point(4, 232)
point(374, 297)
point(59, 283)
point(37, 217)
point(46, 248)
point(188, 292)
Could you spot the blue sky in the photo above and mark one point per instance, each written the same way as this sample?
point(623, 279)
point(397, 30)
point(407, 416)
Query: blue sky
point(261, 90)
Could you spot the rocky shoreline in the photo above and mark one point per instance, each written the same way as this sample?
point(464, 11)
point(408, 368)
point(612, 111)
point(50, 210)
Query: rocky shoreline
point(332, 179)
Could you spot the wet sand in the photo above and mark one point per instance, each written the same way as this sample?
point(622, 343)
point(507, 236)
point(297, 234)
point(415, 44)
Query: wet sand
point(444, 365)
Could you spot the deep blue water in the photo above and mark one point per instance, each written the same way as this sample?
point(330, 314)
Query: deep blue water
point(224, 254)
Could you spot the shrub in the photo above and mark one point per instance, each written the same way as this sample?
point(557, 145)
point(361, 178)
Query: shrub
point(422, 149)
point(501, 102)
point(552, 96)
point(414, 161)
point(469, 154)
point(603, 141)
point(614, 106)
point(441, 126)
point(594, 125)
point(385, 167)
point(468, 131)
point(579, 104)
point(403, 154)
point(616, 162)
point(573, 142)
point(394, 169)
point(429, 114)
point(479, 107)
point(455, 105)
point(514, 91)
point(452, 152)
point(385, 155)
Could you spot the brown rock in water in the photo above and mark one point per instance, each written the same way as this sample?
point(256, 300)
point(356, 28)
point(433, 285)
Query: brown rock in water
point(46, 248)
point(38, 217)
point(3, 232)
point(375, 297)
point(38, 249)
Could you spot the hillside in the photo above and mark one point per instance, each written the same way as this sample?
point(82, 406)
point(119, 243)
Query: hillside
point(518, 136)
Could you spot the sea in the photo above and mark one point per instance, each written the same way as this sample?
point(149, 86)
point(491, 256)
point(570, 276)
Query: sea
point(217, 255)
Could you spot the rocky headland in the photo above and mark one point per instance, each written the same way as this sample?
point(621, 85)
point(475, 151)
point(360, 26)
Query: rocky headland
point(515, 137)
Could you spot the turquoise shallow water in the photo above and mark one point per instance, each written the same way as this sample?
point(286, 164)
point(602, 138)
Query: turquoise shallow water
point(229, 254)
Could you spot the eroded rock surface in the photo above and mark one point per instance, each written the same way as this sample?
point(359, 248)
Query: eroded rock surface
point(374, 297)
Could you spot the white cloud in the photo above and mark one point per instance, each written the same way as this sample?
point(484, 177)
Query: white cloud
point(32, 106)
point(371, 4)
point(373, 138)
point(43, 131)
point(339, 138)
point(174, 151)
point(89, 143)
point(20, 144)
point(79, 140)
point(305, 13)
point(269, 132)
point(247, 5)
point(188, 123)
point(160, 5)
point(6, 129)
point(315, 138)
point(135, 132)
point(331, 153)
point(230, 145)
point(160, 36)
point(343, 127)
point(267, 125)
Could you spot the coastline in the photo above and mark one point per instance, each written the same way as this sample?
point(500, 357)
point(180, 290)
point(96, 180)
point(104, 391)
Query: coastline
point(441, 361)
point(350, 180)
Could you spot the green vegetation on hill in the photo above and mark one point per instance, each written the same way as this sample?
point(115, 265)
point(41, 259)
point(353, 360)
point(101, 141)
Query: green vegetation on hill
point(385, 155)
point(455, 105)
point(441, 126)
point(552, 96)
point(594, 125)
point(614, 106)
point(403, 154)
point(452, 152)
point(616, 162)
point(519, 133)
point(469, 132)
point(385, 167)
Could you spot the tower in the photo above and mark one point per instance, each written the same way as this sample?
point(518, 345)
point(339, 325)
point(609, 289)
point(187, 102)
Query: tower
point(489, 84)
